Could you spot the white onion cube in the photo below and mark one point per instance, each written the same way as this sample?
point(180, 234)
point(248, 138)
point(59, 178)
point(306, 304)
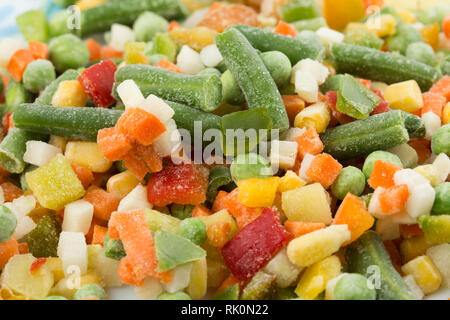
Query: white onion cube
point(211, 56)
point(8, 47)
point(169, 142)
point(285, 271)
point(158, 107)
point(440, 256)
point(413, 286)
point(329, 36)
point(318, 70)
point(432, 123)
point(181, 278)
point(135, 200)
point(306, 86)
point(406, 153)
point(2, 195)
point(39, 153)
point(72, 250)
point(374, 204)
point(306, 163)
point(24, 226)
point(120, 35)
point(189, 61)
point(293, 133)
point(442, 166)
point(283, 153)
point(130, 94)
point(387, 229)
point(409, 177)
point(78, 216)
point(420, 200)
point(150, 289)
point(24, 204)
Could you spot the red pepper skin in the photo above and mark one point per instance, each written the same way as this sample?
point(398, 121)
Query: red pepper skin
point(178, 183)
point(7, 122)
point(37, 264)
point(97, 81)
point(383, 106)
point(255, 245)
point(331, 97)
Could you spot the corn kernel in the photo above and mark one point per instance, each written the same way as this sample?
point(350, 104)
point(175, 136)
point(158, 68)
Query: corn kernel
point(317, 245)
point(87, 154)
point(382, 25)
point(425, 273)
point(405, 96)
point(290, 181)
point(316, 116)
point(407, 16)
point(69, 94)
point(314, 280)
point(121, 184)
point(58, 142)
point(255, 192)
point(430, 35)
point(87, 4)
point(413, 247)
point(197, 38)
point(446, 114)
point(429, 172)
point(134, 53)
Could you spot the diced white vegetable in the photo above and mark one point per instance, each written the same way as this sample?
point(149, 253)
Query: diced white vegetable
point(403, 218)
point(293, 133)
point(130, 94)
point(413, 286)
point(306, 163)
point(24, 226)
point(105, 267)
point(387, 229)
point(150, 289)
point(24, 204)
point(8, 47)
point(331, 284)
point(158, 107)
point(329, 36)
point(39, 153)
point(374, 204)
point(283, 153)
point(420, 200)
point(432, 123)
point(306, 86)
point(120, 35)
point(285, 271)
point(78, 216)
point(181, 278)
point(72, 251)
point(406, 153)
point(440, 256)
point(135, 200)
point(194, 19)
point(442, 166)
point(409, 177)
point(318, 70)
point(189, 61)
point(169, 142)
point(211, 56)
point(444, 42)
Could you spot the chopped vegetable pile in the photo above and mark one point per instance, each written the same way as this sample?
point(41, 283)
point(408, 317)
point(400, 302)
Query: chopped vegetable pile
point(250, 150)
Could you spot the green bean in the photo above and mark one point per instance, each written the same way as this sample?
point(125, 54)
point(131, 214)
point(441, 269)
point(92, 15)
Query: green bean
point(174, 296)
point(8, 223)
point(421, 52)
point(379, 155)
point(201, 91)
point(332, 83)
point(440, 142)
point(210, 71)
point(90, 290)
point(414, 125)
point(350, 179)
point(232, 93)
point(148, 24)
point(15, 95)
point(278, 65)
point(193, 229)
point(252, 76)
point(68, 52)
point(38, 75)
point(363, 37)
point(43, 239)
point(250, 165)
point(230, 293)
point(33, 25)
point(310, 24)
point(46, 96)
point(405, 36)
point(441, 203)
point(181, 211)
point(218, 177)
point(113, 248)
point(13, 148)
point(376, 65)
point(299, 10)
point(163, 44)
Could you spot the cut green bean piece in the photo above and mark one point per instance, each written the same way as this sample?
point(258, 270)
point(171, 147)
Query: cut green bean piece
point(90, 290)
point(46, 96)
point(181, 211)
point(299, 10)
point(332, 83)
point(163, 44)
point(440, 142)
point(310, 24)
point(414, 125)
point(113, 248)
point(250, 165)
point(218, 177)
point(33, 25)
point(8, 223)
point(15, 95)
point(43, 240)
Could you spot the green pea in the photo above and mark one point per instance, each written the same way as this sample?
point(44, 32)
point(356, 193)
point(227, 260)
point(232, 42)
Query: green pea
point(250, 165)
point(232, 93)
point(8, 223)
point(441, 203)
point(38, 75)
point(434, 14)
point(278, 65)
point(148, 25)
point(90, 290)
point(174, 296)
point(55, 298)
point(353, 286)
point(362, 37)
point(350, 179)
point(113, 248)
point(379, 155)
point(68, 52)
point(181, 211)
point(421, 52)
point(210, 71)
point(440, 142)
point(405, 35)
point(57, 25)
point(193, 229)
point(155, 58)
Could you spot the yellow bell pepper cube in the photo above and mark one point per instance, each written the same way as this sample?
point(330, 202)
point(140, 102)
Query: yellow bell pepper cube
point(413, 247)
point(134, 53)
point(121, 184)
point(407, 16)
point(290, 181)
point(221, 216)
point(198, 283)
point(256, 192)
point(314, 280)
point(446, 114)
point(69, 94)
point(382, 25)
point(429, 172)
point(309, 204)
point(55, 184)
point(87, 154)
point(404, 96)
point(317, 245)
point(316, 116)
point(425, 273)
point(58, 142)
point(338, 13)
point(430, 35)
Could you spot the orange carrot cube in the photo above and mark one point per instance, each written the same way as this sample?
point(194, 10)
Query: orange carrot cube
point(299, 228)
point(219, 202)
point(166, 64)
point(218, 233)
point(104, 203)
point(8, 249)
point(109, 53)
point(293, 105)
point(38, 49)
point(99, 234)
point(393, 199)
point(114, 145)
point(309, 142)
point(442, 87)
point(94, 48)
point(383, 174)
point(243, 214)
point(433, 102)
point(84, 174)
point(11, 191)
point(324, 169)
point(285, 29)
point(200, 211)
point(19, 62)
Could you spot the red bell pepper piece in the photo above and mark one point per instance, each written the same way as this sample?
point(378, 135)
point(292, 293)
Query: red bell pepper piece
point(97, 81)
point(182, 184)
point(255, 245)
point(331, 97)
point(383, 106)
point(7, 122)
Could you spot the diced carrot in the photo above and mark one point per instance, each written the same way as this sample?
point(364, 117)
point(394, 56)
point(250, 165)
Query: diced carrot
point(11, 191)
point(99, 234)
point(299, 228)
point(446, 26)
point(173, 24)
point(141, 125)
point(228, 282)
point(433, 102)
point(243, 214)
point(215, 6)
point(7, 122)
point(422, 147)
point(23, 248)
point(8, 249)
point(200, 211)
point(293, 105)
point(219, 202)
point(375, 3)
point(393, 199)
point(114, 145)
point(410, 230)
point(321, 97)
point(218, 233)
point(366, 83)
point(166, 64)
point(442, 87)
point(109, 53)
point(353, 213)
point(19, 62)
point(297, 164)
point(38, 49)
point(150, 157)
point(104, 203)
point(135, 164)
point(309, 142)
point(95, 49)
point(394, 254)
point(219, 17)
point(140, 261)
point(84, 174)
point(285, 29)
point(324, 169)
point(383, 174)
point(95, 222)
